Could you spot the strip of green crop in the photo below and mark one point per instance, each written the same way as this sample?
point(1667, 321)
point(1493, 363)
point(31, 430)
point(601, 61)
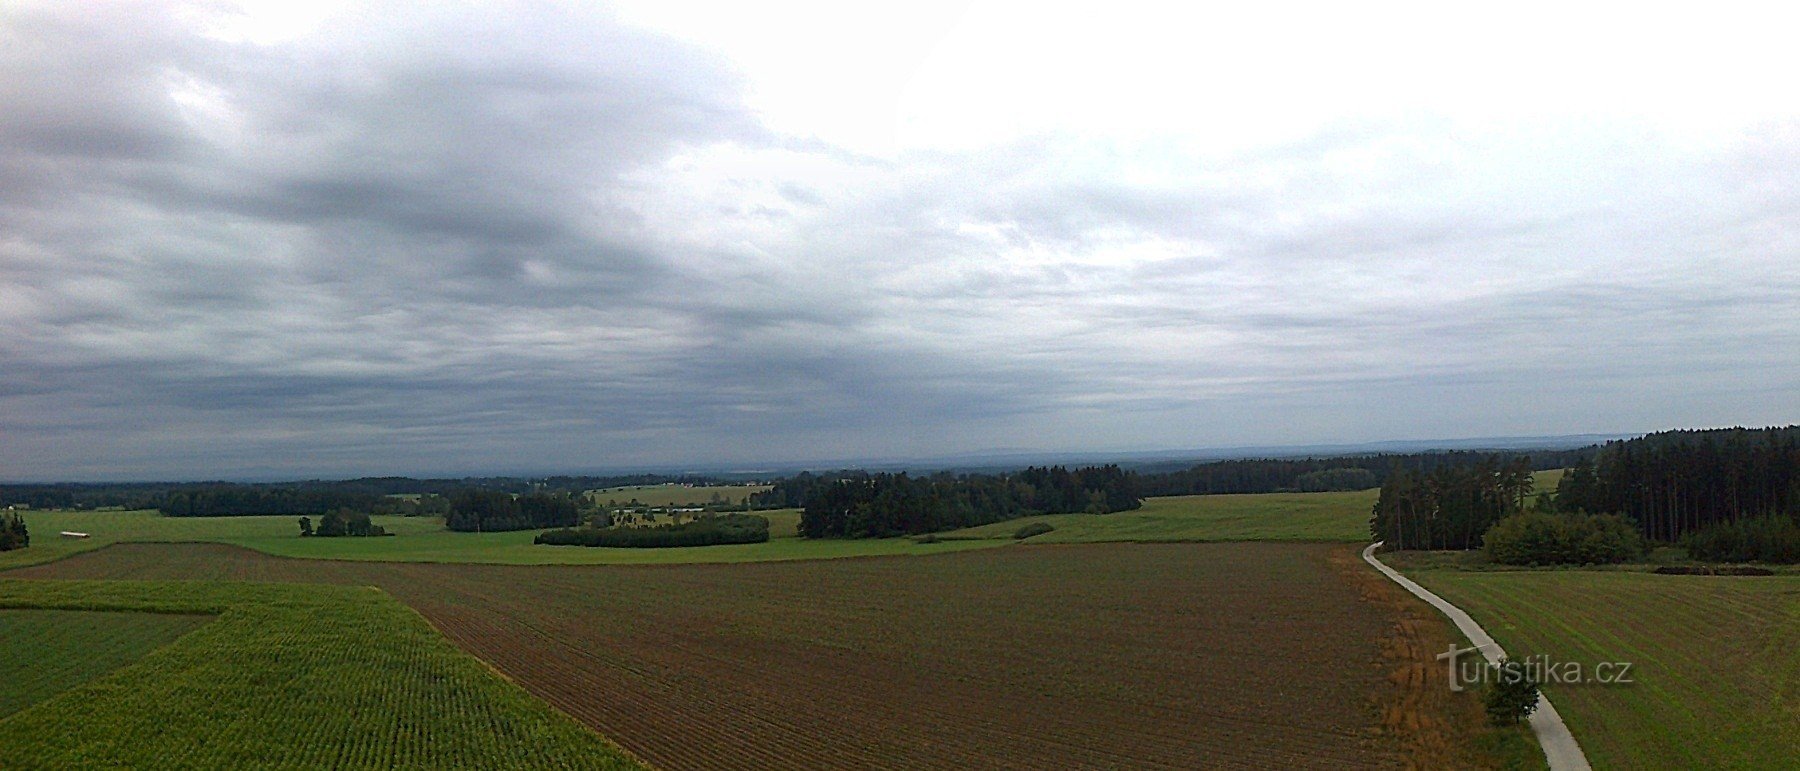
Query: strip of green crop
point(50, 651)
point(287, 676)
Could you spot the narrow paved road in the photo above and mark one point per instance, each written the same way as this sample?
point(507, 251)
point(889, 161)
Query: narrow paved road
point(1559, 745)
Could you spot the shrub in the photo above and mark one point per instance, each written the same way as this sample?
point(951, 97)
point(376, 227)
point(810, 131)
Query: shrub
point(1035, 528)
point(1540, 538)
point(705, 531)
point(1511, 693)
point(1764, 539)
point(12, 532)
point(1709, 570)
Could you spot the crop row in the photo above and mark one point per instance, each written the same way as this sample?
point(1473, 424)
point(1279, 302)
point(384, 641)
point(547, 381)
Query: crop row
point(292, 676)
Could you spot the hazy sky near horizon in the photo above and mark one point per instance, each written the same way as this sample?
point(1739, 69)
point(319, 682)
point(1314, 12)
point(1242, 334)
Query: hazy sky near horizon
point(379, 238)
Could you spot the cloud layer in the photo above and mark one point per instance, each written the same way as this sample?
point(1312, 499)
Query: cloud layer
point(528, 239)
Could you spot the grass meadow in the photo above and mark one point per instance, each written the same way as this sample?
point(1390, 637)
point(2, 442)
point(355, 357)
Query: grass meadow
point(1716, 678)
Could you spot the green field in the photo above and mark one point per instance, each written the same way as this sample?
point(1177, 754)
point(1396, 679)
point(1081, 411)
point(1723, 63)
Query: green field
point(676, 495)
point(1717, 678)
point(299, 676)
point(1271, 517)
point(1199, 518)
point(423, 539)
point(51, 651)
point(1082, 656)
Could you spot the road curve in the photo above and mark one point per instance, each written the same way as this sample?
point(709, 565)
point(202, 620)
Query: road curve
point(1559, 745)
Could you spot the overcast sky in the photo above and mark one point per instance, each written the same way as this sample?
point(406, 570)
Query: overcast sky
point(240, 241)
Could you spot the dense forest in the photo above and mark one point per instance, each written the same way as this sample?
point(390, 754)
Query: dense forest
point(486, 511)
point(1350, 472)
point(1677, 482)
point(861, 505)
point(1450, 507)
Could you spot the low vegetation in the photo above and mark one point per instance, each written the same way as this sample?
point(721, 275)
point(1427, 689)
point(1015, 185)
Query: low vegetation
point(1546, 538)
point(313, 676)
point(51, 651)
point(1759, 539)
point(705, 531)
point(1033, 529)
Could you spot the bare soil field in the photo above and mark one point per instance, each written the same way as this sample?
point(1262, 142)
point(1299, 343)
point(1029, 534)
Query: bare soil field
point(1247, 655)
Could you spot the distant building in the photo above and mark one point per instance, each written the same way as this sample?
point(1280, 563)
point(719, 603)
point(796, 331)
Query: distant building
point(73, 534)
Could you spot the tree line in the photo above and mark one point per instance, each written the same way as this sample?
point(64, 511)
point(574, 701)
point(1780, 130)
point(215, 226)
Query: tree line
point(340, 523)
point(487, 511)
point(863, 505)
point(1319, 474)
point(311, 497)
point(704, 531)
point(1674, 483)
point(1450, 507)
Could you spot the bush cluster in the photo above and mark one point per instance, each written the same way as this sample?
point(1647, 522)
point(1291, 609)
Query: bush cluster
point(12, 532)
point(1540, 538)
point(342, 523)
point(1763, 539)
point(1511, 694)
point(1035, 528)
point(706, 531)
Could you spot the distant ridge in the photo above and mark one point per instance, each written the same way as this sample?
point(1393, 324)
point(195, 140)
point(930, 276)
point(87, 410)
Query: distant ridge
point(1179, 458)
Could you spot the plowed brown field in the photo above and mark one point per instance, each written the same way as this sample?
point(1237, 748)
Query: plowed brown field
point(1251, 655)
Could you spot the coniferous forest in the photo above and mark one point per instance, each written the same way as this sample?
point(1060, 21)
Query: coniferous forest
point(860, 505)
point(1676, 482)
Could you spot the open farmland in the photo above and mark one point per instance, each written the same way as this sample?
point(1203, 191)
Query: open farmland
point(1714, 664)
point(1178, 655)
point(424, 539)
point(51, 651)
point(1198, 518)
point(303, 676)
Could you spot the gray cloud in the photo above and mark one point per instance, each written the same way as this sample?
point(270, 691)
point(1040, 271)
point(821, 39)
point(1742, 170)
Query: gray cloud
point(502, 239)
